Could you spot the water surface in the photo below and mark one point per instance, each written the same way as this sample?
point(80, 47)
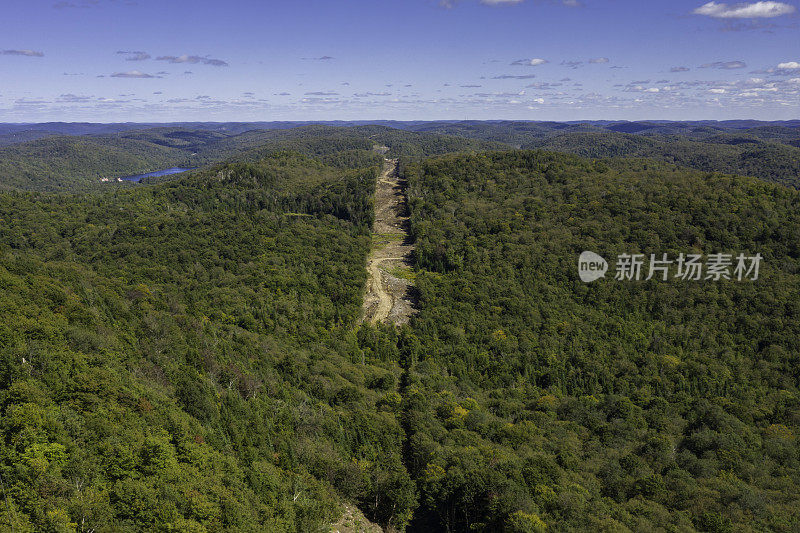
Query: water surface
point(166, 172)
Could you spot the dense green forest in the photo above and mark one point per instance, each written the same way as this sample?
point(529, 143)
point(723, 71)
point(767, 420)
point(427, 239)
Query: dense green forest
point(748, 156)
point(523, 132)
point(770, 151)
point(76, 161)
point(186, 355)
point(640, 405)
point(176, 357)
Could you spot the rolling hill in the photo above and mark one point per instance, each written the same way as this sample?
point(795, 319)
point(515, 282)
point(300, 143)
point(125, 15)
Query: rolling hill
point(187, 355)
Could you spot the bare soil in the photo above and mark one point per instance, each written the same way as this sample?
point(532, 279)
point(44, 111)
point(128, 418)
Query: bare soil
point(389, 295)
point(354, 521)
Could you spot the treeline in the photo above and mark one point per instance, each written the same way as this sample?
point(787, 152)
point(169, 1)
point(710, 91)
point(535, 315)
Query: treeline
point(765, 150)
point(746, 156)
point(78, 163)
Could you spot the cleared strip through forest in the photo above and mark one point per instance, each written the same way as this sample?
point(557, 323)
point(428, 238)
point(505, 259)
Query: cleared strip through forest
point(390, 279)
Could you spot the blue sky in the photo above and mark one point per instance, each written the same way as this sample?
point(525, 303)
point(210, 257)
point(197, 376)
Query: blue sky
point(247, 60)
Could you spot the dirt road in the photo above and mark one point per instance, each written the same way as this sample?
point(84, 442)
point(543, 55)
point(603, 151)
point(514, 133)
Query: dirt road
point(389, 294)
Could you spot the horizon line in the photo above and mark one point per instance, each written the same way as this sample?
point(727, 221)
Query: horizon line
point(298, 121)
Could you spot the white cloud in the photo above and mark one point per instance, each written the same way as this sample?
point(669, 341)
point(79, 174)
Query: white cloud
point(744, 10)
point(725, 65)
point(500, 2)
point(132, 74)
point(599, 60)
point(717, 91)
point(789, 65)
point(535, 62)
point(30, 102)
point(72, 98)
point(135, 56)
point(28, 53)
point(194, 60)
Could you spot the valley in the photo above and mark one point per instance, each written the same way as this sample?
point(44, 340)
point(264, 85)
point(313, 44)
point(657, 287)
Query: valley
point(441, 266)
point(306, 334)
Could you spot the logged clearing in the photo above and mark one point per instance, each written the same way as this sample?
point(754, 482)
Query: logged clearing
point(389, 295)
point(354, 521)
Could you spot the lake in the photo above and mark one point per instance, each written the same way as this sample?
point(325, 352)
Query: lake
point(174, 170)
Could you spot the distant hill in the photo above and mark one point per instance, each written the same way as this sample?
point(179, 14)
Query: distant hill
point(770, 151)
point(728, 153)
point(440, 126)
point(78, 163)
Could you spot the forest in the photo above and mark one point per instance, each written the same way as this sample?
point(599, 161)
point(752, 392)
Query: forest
point(187, 355)
point(77, 163)
point(58, 157)
point(644, 405)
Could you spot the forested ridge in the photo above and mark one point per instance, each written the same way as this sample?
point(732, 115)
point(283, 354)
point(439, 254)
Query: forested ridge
point(744, 155)
point(178, 357)
point(185, 355)
point(770, 151)
point(77, 161)
point(607, 406)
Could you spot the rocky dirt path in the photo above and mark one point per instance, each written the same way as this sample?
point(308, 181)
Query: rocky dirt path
point(390, 280)
point(353, 521)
